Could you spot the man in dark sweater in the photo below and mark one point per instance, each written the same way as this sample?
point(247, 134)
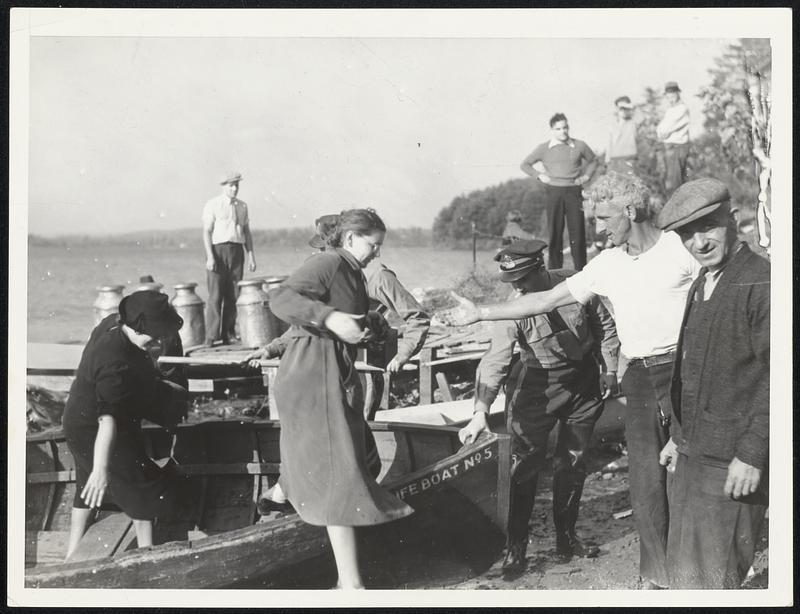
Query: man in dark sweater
point(719, 446)
point(563, 165)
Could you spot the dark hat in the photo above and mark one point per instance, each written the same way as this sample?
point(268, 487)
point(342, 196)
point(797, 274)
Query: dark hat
point(671, 86)
point(324, 225)
point(520, 258)
point(230, 177)
point(624, 102)
point(692, 200)
point(149, 312)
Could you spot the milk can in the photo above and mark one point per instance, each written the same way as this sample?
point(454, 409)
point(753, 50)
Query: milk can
point(107, 301)
point(252, 314)
point(191, 308)
point(278, 326)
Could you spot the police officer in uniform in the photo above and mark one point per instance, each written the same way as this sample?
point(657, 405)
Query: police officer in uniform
point(556, 380)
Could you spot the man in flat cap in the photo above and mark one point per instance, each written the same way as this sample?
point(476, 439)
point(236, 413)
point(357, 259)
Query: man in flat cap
point(563, 164)
point(673, 131)
point(646, 278)
point(621, 152)
point(555, 380)
point(226, 237)
point(719, 446)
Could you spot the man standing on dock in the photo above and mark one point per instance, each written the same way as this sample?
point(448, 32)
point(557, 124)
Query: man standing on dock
point(563, 165)
point(555, 380)
point(719, 449)
point(226, 236)
point(645, 278)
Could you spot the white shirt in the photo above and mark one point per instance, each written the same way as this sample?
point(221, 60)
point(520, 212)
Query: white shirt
point(647, 292)
point(226, 219)
point(553, 142)
point(674, 126)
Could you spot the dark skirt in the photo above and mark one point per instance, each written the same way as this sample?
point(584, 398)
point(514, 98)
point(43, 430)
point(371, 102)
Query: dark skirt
point(136, 485)
point(324, 469)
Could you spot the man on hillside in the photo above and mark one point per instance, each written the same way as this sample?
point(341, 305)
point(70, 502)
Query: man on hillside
point(226, 237)
point(563, 165)
point(673, 131)
point(513, 230)
point(555, 380)
point(621, 151)
point(719, 449)
point(645, 278)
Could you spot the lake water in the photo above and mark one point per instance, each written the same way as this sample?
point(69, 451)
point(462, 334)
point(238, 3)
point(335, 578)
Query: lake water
point(62, 281)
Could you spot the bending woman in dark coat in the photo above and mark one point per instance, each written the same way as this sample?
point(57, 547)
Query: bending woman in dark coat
point(323, 465)
point(117, 385)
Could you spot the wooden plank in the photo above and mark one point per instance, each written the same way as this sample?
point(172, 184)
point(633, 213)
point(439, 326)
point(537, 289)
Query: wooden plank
point(449, 413)
point(387, 385)
point(444, 387)
point(426, 376)
point(47, 477)
point(102, 538)
point(45, 547)
point(454, 358)
point(128, 539)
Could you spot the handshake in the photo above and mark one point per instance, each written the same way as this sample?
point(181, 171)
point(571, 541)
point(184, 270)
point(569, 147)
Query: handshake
point(463, 314)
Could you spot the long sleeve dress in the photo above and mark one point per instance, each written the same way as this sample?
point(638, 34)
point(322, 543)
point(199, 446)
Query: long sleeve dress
point(323, 432)
point(117, 378)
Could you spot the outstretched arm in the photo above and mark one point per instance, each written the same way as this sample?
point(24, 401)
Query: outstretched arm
point(526, 305)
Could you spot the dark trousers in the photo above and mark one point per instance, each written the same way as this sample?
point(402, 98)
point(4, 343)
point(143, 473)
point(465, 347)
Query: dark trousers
point(647, 390)
point(675, 157)
point(712, 538)
point(536, 400)
point(223, 291)
point(565, 202)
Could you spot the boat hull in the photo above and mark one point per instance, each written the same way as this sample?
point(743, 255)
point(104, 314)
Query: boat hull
point(452, 490)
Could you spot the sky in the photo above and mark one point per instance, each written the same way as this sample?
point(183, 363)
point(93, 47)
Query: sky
point(130, 132)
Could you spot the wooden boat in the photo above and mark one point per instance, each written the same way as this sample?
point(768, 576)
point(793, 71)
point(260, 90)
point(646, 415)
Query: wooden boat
point(217, 538)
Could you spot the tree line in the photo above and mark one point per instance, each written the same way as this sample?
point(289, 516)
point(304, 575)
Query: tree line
point(724, 150)
point(191, 238)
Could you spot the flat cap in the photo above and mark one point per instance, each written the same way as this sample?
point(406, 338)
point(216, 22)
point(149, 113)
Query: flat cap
point(692, 200)
point(520, 258)
point(671, 86)
point(230, 177)
point(623, 102)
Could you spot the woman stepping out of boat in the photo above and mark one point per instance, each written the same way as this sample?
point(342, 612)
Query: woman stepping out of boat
point(117, 385)
point(324, 470)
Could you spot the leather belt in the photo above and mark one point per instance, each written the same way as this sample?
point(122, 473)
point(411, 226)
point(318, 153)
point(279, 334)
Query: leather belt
point(653, 361)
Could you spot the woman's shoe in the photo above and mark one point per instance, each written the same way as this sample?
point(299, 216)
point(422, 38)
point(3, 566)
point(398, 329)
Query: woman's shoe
point(272, 501)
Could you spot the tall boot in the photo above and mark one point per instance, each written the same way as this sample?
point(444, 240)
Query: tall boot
point(520, 508)
point(568, 478)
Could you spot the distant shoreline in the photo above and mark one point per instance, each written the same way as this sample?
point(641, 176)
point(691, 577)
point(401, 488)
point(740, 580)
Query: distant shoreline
point(192, 238)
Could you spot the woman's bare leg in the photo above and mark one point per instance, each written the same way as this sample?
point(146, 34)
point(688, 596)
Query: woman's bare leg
point(343, 542)
point(77, 527)
point(144, 533)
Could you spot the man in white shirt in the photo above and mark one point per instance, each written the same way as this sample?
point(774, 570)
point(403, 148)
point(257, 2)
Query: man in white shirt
point(673, 131)
point(646, 278)
point(226, 236)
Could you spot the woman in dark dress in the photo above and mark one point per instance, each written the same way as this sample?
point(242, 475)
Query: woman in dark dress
point(324, 470)
point(117, 385)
